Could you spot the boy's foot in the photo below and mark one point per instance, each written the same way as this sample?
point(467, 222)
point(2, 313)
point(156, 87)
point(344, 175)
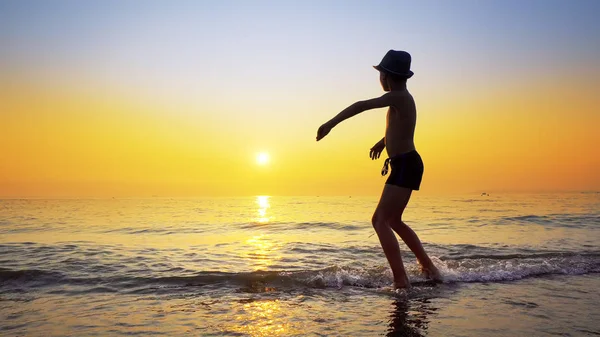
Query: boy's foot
point(402, 284)
point(432, 273)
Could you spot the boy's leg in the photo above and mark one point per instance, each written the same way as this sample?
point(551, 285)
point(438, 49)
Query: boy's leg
point(389, 210)
point(407, 235)
point(411, 239)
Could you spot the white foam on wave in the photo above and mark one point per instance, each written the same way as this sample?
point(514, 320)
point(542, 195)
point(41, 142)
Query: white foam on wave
point(339, 276)
point(464, 270)
point(493, 270)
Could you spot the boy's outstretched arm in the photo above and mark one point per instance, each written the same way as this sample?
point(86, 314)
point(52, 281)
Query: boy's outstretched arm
point(353, 110)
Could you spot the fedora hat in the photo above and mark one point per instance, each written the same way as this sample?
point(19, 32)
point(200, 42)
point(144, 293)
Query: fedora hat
point(396, 62)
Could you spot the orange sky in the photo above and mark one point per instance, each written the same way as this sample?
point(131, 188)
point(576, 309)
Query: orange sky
point(70, 141)
point(116, 114)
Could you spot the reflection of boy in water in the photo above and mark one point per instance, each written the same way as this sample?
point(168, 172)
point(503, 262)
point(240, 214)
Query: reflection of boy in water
point(405, 162)
point(405, 324)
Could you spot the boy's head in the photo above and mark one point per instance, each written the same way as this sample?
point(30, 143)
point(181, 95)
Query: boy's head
point(394, 68)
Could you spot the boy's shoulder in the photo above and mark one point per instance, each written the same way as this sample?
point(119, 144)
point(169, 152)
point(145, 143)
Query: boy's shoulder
point(389, 99)
point(399, 93)
point(398, 96)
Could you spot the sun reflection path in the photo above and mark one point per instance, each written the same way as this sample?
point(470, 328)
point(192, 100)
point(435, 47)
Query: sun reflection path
point(263, 206)
point(263, 252)
point(263, 318)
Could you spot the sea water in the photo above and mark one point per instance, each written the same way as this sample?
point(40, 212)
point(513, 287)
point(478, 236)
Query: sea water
point(513, 264)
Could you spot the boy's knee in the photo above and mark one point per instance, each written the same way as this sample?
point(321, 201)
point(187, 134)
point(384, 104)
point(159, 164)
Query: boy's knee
point(374, 219)
point(385, 219)
point(379, 219)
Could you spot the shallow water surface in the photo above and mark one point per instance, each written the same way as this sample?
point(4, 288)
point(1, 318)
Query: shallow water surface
point(514, 265)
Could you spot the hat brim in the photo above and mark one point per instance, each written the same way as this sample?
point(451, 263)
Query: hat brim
point(408, 74)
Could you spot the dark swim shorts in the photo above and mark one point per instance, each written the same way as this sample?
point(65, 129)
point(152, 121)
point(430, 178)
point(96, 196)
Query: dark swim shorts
point(407, 170)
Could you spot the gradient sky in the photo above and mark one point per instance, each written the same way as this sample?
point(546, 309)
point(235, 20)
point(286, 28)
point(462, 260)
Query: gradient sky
point(144, 98)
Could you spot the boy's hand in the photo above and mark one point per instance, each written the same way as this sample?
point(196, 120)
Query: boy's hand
point(376, 150)
point(323, 130)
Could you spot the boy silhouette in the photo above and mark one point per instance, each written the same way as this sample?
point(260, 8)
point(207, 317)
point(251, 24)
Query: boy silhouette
point(405, 161)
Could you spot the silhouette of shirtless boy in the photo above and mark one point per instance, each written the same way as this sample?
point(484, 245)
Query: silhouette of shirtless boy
point(405, 162)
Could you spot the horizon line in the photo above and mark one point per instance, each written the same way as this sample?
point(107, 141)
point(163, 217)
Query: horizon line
point(478, 193)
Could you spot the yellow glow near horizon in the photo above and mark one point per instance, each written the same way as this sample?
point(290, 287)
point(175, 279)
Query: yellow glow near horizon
point(68, 143)
point(263, 158)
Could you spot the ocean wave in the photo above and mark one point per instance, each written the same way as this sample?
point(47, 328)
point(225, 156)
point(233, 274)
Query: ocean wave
point(188, 229)
point(29, 275)
point(307, 226)
point(554, 220)
point(456, 270)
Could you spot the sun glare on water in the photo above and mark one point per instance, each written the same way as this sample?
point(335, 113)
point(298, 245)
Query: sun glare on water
point(262, 158)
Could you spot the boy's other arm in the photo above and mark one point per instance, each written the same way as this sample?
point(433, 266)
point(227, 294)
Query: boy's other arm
point(376, 150)
point(353, 110)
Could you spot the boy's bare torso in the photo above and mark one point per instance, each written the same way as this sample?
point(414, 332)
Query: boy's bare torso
point(400, 124)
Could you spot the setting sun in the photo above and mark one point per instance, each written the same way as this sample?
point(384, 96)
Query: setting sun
point(262, 158)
